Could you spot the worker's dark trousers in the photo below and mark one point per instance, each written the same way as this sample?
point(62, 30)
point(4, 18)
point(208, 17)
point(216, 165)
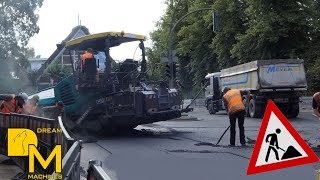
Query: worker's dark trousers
point(233, 118)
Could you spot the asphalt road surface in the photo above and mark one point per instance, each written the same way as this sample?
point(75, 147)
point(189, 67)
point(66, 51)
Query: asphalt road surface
point(184, 149)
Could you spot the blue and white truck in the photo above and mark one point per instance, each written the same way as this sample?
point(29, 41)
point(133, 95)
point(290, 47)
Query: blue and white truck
point(281, 80)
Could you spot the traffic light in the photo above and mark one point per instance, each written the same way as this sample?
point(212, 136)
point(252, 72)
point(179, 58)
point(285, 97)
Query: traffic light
point(216, 22)
point(175, 70)
point(168, 71)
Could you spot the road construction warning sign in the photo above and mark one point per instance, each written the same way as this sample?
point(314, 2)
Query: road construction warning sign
point(278, 144)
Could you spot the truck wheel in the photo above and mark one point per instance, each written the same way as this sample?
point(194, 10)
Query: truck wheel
point(247, 108)
point(254, 109)
point(211, 108)
point(294, 111)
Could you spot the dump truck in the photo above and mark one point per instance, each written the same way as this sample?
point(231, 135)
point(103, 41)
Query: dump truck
point(281, 80)
point(112, 97)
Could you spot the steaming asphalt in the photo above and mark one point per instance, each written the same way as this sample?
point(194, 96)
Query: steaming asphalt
point(183, 149)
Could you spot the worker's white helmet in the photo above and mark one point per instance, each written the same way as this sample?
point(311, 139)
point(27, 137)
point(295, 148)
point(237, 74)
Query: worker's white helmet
point(24, 96)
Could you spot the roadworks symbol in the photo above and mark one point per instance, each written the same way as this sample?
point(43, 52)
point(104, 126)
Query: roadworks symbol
point(278, 144)
point(273, 143)
point(24, 142)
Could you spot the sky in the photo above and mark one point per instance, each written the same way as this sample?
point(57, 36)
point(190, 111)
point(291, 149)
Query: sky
point(58, 17)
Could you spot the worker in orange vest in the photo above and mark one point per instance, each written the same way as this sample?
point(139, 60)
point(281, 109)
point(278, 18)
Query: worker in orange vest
point(236, 110)
point(88, 55)
point(31, 106)
point(14, 104)
point(316, 104)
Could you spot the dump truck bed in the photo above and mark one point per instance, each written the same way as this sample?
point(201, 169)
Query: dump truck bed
point(265, 74)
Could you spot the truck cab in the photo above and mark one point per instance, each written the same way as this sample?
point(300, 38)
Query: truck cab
point(213, 93)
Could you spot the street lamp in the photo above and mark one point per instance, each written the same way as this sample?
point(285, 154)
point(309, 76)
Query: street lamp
point(172, 27)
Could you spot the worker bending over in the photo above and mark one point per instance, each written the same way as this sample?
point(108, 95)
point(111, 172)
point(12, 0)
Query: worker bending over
point(13, 103)
point(236, 110)
point(31, 106)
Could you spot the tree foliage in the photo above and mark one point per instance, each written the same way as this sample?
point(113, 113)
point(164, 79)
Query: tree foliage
point(57, 72)
point(195, 39)
point(18, 19)
point(232, 23)
point(249, 30)
point(275, 29)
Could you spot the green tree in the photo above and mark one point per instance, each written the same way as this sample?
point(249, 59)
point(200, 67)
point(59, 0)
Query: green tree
point(159, 39)
point(312, 54)
point(195, 39)
point(231, 23)
point(192, 38)
point(250, 30)
point(18, 19)
point(275, 29)
point(57, 72)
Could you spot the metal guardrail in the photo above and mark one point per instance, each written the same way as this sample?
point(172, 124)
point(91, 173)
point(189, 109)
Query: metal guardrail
point(71, 162)
point(95, 171)
point(46, 143)
point(71, 149)
point(64, 138)
point(71, 159)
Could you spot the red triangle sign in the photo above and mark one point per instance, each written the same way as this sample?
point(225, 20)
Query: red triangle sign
point(278, 144)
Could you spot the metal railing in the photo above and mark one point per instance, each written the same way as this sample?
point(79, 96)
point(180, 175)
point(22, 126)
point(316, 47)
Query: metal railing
point(96, 172)
point(71, 162)
point(46, 142)
point(71, 149)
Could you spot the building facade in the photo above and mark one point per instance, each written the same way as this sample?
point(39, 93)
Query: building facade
point(60, 57)
point(36, 63)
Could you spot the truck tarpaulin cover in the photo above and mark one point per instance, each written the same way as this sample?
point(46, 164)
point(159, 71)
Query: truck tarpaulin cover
point(282, 75)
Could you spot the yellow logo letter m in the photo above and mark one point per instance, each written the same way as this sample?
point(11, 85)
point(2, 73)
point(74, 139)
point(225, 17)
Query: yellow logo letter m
point(33, 152)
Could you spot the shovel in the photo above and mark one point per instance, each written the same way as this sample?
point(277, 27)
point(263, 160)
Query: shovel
point(223, 134)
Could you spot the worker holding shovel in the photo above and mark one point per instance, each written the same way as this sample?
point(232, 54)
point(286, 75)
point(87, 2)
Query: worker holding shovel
point(290, 153)
point(273, 145)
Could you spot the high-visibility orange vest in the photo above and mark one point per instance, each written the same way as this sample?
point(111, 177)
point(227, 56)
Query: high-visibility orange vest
point(85, 56)
point(19, 110)
point(9, 106)
point(234, 99)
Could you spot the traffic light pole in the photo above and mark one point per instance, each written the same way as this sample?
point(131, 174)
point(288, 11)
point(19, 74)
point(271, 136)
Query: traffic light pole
point(172, 27)
point(169, 45)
